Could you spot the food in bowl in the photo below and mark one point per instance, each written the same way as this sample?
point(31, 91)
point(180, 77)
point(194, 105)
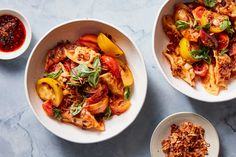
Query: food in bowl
point(12, 33)
point(202, 44)
point(86, 81)
point(186, 139)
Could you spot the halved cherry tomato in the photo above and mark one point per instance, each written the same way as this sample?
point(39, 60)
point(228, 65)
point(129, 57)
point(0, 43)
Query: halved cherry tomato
point(112, 65)
point(208, 40)
point(200, 69)
point(48, 107)
point(119, 106)
point(198, 12)
point(89, 40)
point(223, 41)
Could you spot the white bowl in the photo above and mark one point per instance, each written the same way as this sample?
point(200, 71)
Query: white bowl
point(22, 49)
point(162, 131)
point(160, 41)
point(71, 31)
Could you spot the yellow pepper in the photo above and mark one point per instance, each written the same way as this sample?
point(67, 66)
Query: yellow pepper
point(48, 88)
point(108, 47)
point(185, 49)
point(126, 74)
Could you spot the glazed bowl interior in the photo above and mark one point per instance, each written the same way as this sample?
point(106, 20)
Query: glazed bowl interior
point(160, 41)
point(71, 31)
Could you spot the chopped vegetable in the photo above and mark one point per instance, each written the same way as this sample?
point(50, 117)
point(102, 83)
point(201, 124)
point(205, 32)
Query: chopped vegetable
point(208, 40)
point(225, 24)
point(108, 47)
point(54, 75)
point(48, 107)
point(112, 65)
point(75, 108)
point(201, 54)
point(206, 26)
point(127, 93)
point(185, 50)
point(57, 113)
point(107, 113)
point(54, 89)
point(210, 3)
point(181, 24)
point(224, 51)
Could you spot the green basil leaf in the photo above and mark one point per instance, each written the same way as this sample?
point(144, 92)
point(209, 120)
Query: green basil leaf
point(55, 74)
point(225, 24)
point(224, 51)
point(76, 108)
point(201, 54)
point(57, 113)
point(80, 71)
point(181, 24)
point(127, 93)
point(206, 26)
point(96, 63)
point(73, 84)
point(107, 113)
point(210, 3)
point(230, 30)
point(93, 78)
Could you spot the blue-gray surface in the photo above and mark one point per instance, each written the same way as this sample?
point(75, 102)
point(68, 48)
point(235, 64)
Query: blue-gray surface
point(21, 135)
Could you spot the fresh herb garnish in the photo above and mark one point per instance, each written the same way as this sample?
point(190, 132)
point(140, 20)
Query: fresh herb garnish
point(224, 51)
point(225, 24)
point(83, 71)
point(206, 26)
point(201, 54)
point(73, 84)
point(127, 93)
point(181, 24)
point(75, 108)
point(57, 113)
point(55, 74)
point(210, 3)
point(107, 113)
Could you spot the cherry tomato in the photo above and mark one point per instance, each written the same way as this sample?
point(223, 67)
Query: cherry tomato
point(48, 108)
point(223, 41)
point(200, 69)
point(112, 65)
point(199, 11)
point(208, 40)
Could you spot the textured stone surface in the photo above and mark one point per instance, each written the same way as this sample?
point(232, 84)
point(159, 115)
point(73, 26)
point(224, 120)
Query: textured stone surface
point(21, 135)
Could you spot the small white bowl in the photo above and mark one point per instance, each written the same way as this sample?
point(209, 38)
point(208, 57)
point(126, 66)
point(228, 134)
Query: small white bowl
point(71, 31)
point(22, 49)
point(160, 41)
point(162, 131)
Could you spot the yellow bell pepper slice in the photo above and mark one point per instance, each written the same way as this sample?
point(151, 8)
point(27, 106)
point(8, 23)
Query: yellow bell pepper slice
point(48, 88)
point(185, 49)
point(108, 47)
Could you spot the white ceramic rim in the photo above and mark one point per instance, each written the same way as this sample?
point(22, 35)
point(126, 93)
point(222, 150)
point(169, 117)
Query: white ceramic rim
point(188, 113)
point(23, 19)
point(163, 73)
point(93, 20)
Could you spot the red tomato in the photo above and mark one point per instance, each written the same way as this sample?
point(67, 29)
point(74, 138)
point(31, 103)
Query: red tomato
point(200, 69)
point(199, 11)
point(97, 94)
point(48, 108)
point(112, 65)
point(223, 41)
point(208, 40)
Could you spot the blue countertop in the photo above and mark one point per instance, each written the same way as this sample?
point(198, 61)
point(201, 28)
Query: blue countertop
point(21, 135)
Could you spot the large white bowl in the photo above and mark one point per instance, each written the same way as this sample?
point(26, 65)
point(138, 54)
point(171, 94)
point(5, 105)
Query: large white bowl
point(71, 31)
point(162, 131)
point(160, 41)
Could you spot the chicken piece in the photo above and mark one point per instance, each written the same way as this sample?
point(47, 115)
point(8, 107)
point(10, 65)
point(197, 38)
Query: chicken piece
point(229, 8)
point(57, 54)
point(82, 55)
point(209, 82)
point(222, 69)
point(183, 13)
point(115, 85)
point(181, 68)
point(170, 28)
point(85, 120)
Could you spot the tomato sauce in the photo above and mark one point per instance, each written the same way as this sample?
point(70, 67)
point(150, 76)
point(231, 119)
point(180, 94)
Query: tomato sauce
point(12, 33)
